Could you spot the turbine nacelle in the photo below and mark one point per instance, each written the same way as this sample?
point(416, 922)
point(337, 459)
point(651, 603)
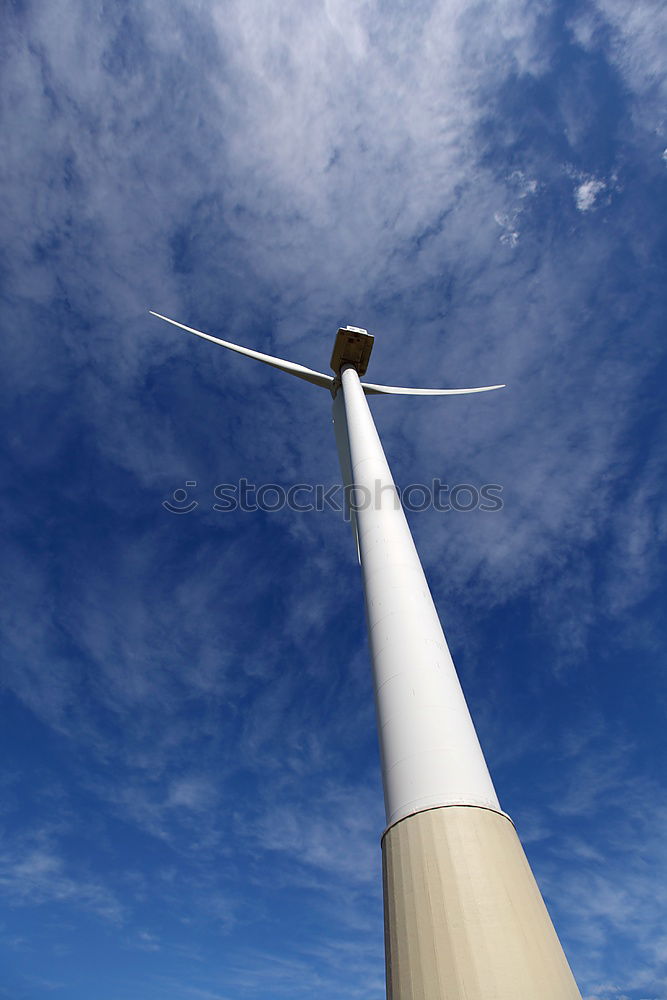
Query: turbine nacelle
point(352, 346)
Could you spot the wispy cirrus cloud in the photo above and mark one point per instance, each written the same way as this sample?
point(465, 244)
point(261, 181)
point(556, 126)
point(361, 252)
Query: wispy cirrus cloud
point(34, 874)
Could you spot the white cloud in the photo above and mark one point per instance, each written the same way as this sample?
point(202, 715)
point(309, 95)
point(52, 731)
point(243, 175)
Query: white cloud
point(510, 234)
point(586, 193)
point(633, 37)
point(33, 874)
point(638, 46)
point(192, 793)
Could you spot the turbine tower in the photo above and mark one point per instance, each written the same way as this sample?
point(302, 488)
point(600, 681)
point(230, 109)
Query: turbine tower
point(464, 917)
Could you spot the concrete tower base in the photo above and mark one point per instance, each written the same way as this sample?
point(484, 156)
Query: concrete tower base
point(464, 918)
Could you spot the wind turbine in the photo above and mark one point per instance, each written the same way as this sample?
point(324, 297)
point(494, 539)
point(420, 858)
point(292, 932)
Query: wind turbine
point(464, 917)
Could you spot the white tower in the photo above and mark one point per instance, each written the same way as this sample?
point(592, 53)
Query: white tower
point(464, 918)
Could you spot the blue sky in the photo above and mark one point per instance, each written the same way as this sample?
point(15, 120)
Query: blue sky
point(191, 802)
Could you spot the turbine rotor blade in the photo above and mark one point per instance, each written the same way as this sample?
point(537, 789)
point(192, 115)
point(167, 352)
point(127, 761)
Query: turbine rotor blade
point(398, 390)
point(307, 374)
